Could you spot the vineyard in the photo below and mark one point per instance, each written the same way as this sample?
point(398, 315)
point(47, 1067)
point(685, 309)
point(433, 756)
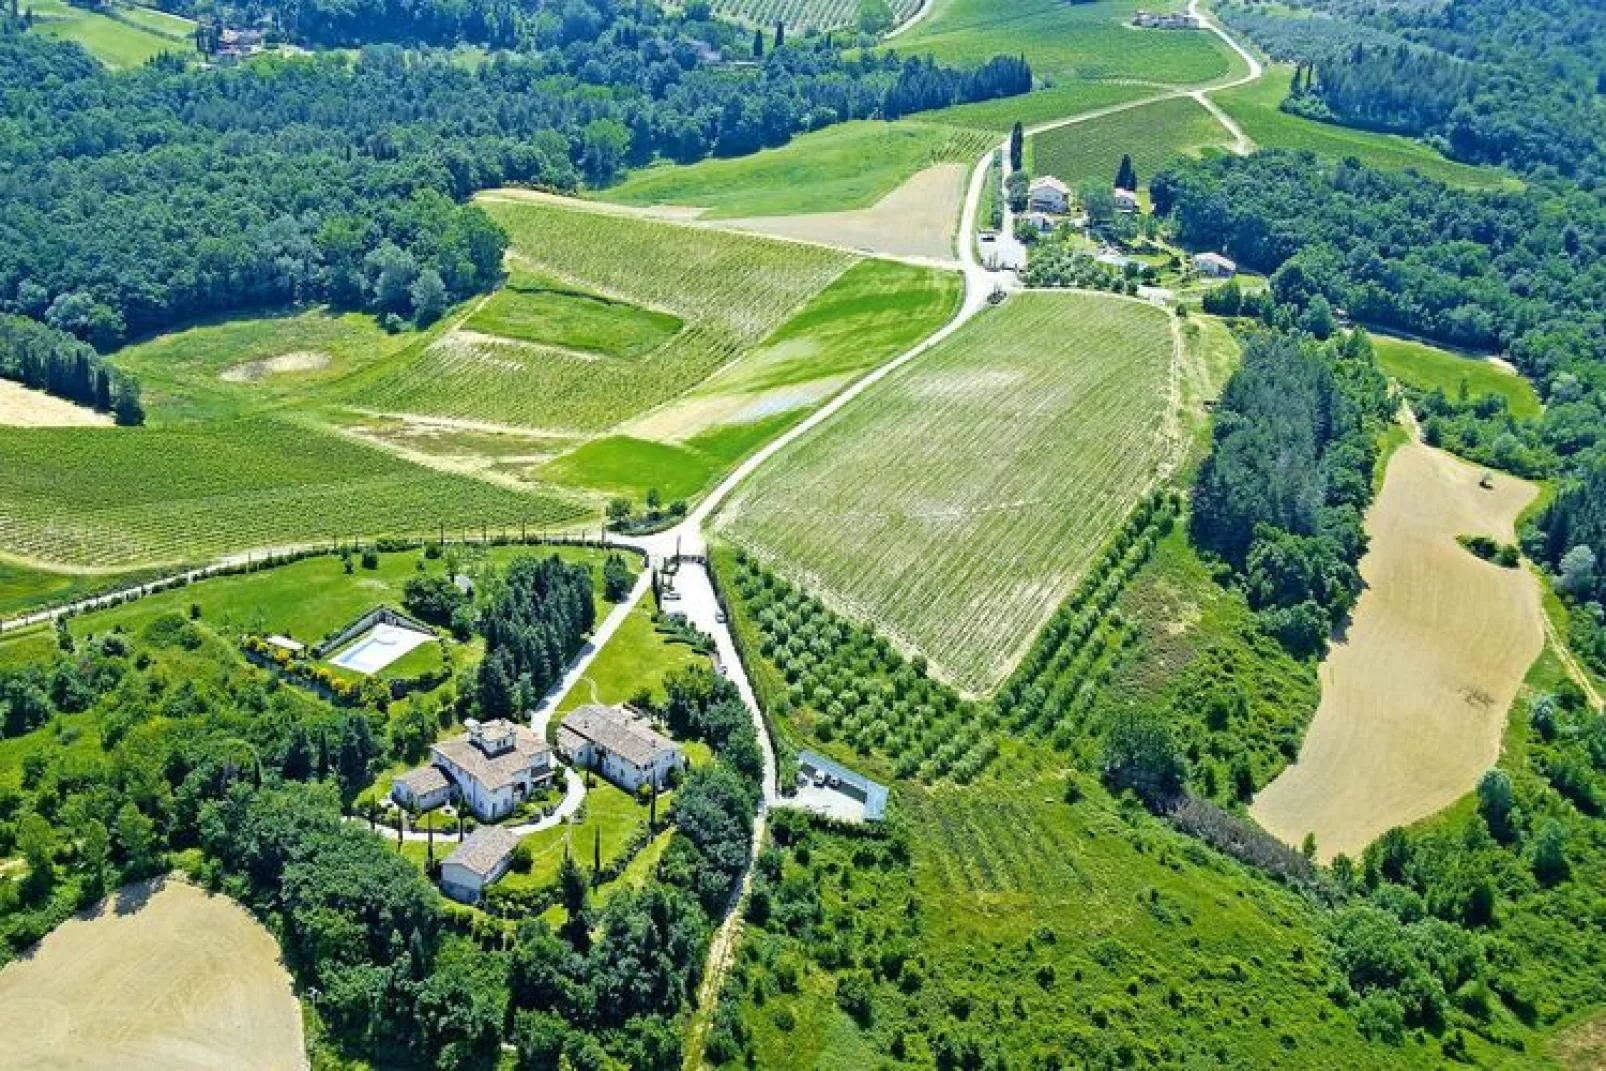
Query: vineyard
point(729, 290)
point(958, 501)
point(1154, 135)
point(847, 687)
point(114, 497)
point(802, 15)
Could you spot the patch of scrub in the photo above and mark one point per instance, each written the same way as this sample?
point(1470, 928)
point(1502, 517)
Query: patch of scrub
point(160, 975)
point(1415, 695)
point(284, 364)
point(622, 465)
point(22, 407)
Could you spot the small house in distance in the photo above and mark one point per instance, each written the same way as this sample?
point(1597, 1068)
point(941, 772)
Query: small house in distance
point(620, 745)
point(1125, 200)
point(1041, 222)
point(1149, 20)
point(491, 768)
point(1048, 194)
point(483, 857)
point(1214, 266)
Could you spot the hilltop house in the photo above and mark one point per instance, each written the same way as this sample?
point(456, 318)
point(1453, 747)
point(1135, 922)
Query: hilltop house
point(1048, 194)
point(484, 856)
point(491, 768)
point(1214, 266)
point(1125, 200)
point(620, 745)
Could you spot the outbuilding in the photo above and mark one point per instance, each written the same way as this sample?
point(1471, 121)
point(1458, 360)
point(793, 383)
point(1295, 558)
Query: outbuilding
point(478, 862)
point(1215, 266)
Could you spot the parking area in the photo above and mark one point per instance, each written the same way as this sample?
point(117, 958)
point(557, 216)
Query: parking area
point(831, 789)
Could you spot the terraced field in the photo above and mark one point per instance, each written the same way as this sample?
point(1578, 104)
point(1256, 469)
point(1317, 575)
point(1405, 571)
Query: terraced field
point(1154, 135)
point(729, 290)
point(959, 500)
point(119, 496)
point(801, 15)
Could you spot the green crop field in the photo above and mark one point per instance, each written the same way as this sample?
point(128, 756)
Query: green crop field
point(528, 309)
point(162, 23)
point(801, 15)
point(115, 42)
point(1065, 41)
point(729, 290)
point(843, 167)
point(1039, 106)
point(119, 496)
point(1153, 134)
point(1254, 106)
point(959, 500)
point(1426, 367)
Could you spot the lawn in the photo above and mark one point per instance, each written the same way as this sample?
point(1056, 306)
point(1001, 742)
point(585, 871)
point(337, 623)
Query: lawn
point(617, 814)
point(1070, 41)
point(1154, 135)
point(621, 465)
point(847, 166)
point(117, 44)
point(130, 496)
point(1426, 367)
point(23, 587)
point(730, 291)
point(1254, 106)
point(959, 500)
point(637, 658)
point(529, 310)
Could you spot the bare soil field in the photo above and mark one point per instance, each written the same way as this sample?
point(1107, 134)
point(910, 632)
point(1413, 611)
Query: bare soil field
point(1414, 697)
point(24, 408)
point(284, 364)
point(918, 219)
point(162, 975)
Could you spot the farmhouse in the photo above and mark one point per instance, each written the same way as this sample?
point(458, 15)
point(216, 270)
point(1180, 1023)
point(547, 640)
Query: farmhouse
point(484, 856)
point(1048, 194)
point(1149, 20)
point(1215, 266)
point(1125, 200)
point(490, 768)
point(619, 744)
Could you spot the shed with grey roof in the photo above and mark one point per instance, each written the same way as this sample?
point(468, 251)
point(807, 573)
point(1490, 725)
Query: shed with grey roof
point(481, 859)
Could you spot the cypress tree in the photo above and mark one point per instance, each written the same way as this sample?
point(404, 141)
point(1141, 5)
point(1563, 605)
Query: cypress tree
point(1017, 147)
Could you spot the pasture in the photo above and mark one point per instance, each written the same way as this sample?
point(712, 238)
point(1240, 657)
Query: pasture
point(159, 975)
point(729, 290)
point(802, 15)
point(1415, 693)
point(1427, 367)
point(1154, 135)
point(844, 167)
point(1254, 107)
point(957, 502)
point(1064, 42)
point(124, 36)
point(114, 497)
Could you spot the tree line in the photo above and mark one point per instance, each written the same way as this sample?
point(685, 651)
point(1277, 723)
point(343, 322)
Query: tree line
point(534, 618)
point(48, 359)
point(341, 178)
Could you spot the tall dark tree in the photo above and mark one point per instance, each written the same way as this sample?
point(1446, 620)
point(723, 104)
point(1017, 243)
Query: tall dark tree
point(1126, 176)
point(1017, 147)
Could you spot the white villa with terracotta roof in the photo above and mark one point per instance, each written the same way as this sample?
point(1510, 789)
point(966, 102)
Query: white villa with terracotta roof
point(619, 744)
point(491, 769)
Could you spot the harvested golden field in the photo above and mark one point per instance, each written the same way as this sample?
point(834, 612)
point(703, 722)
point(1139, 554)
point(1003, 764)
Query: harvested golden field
point(1414, 697)
point(918, 219)
point(163, 976)
point(21, 407)
point(1582, 1046)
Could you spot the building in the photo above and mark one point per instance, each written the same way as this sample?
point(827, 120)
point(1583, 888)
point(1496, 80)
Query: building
point(1149, 20)
point(1118, 261)
point(483, 857)
point(831, 789)
point(1214, 266)
point(1125, 200)
point(1048, 194)
point(1041, 222)
point(491, 769)
point(620, 745)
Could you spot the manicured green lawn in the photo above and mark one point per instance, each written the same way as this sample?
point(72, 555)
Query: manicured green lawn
point(621, 465)
point(1154, 135)
point(529, 311)
point(637, 657)
point(616, 813)
point(851, 165)
point(1426, 367)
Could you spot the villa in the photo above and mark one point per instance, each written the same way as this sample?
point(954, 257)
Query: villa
point(620, 745)
point(491, 768)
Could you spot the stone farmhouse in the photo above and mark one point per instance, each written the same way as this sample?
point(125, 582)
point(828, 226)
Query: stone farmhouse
point(491, 769)
point(1149, 20)
point(483, 857)
point(1048, 194)
point(1215, 266)
point(620, 745)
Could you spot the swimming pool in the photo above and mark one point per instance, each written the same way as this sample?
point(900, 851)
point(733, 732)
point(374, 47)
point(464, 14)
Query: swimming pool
point(378, 648)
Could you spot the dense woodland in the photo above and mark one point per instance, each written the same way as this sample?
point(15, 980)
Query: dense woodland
point(534, 618)
point(340, 178)
point(1514, 82)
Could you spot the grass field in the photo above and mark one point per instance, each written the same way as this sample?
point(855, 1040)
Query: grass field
point(1415, 694)
point(528, 309)
point(1060, 101)
point(958, 501)
point(1254, 106)
point(117, 42)
point(852, 165)
point(1425, 367)
point(1070, 41)
point(157, 976)
point(1154, 135)
point(637, 658)
point(801, 15)
point(729, 290)
point(118, 496)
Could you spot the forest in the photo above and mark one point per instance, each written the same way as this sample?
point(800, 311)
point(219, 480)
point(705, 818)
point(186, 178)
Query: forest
point(340, 178)
point(1513, 82)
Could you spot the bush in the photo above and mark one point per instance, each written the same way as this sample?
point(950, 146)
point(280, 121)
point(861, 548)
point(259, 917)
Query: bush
point(854, 996)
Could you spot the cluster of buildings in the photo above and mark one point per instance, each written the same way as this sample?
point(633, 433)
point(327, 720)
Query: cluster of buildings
point(1150, 20)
